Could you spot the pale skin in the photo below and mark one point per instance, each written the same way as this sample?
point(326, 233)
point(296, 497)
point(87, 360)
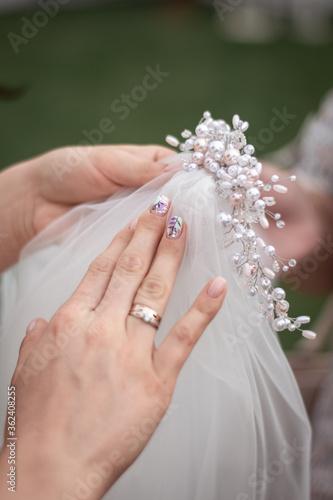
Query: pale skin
point(35, 192)
point(308, 215)
point(109, 382)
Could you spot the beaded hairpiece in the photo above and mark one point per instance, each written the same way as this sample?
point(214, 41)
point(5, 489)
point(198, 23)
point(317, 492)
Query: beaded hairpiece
point(223, 151)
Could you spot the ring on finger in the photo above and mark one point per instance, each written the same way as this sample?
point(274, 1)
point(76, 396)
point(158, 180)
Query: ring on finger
point(146, 314)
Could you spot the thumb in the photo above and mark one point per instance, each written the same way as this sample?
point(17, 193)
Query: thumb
point(34, 332)
point(133, 170)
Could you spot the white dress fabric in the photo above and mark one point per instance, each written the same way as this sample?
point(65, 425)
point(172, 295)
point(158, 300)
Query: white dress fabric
point(236, 428)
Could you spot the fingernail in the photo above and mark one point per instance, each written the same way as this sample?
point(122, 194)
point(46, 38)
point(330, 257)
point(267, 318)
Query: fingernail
point(174, 166)
point(160, 206)
point(31, 326)
point(174, 228)
point(216, 287)
point(134, 223)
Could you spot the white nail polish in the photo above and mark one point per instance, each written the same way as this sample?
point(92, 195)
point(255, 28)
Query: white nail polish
point(134, 223)
point(31, 326)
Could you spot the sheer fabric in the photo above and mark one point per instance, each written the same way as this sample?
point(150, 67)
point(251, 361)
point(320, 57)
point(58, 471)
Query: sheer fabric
point(236, 428)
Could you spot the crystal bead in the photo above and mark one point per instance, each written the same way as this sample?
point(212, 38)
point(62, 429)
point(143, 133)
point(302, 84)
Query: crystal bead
point(249, 149)
point(186, 134)
point(278, 294)
point(267, 187)
point(280, 224)
point(292, 263)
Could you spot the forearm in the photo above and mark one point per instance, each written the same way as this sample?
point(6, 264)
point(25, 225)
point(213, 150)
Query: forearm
point(17, 194)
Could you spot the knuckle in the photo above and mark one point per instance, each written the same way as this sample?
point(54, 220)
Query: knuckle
point(207, 310)
point(146, 172)
point(130, 263)
point(63, 317)
point(101, 265)
point(95, 335)
point(154, 287)
point(25, 341)
point(184, 334)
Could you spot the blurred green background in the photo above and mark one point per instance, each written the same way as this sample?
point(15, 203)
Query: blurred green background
point(67, 76)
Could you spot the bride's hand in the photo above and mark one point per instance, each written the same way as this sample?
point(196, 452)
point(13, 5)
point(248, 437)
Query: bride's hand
point(91, 387)
point(35, 192)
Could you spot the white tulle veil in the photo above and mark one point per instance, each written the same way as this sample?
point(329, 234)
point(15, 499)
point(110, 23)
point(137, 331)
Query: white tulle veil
point(237, 428)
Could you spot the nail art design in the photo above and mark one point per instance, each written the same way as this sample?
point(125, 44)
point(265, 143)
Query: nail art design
point(174, 229)
point(160, 206)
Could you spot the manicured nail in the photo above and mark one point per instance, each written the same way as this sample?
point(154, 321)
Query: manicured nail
point(134, 223)
point(216, 287)
point(174, 228)
point(160, 206)
point(31, 326)
point(174, 166)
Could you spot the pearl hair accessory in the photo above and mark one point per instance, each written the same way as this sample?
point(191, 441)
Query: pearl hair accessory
point(223, 151)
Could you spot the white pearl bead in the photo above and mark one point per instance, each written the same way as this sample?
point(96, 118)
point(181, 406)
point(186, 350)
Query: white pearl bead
point(270, 250)
point(198, 158)
point(242, 179)
point(280, 189)
point(192, 166)
point(173, 141)
point(200, 145)
point(263, 221)
point(278, 324)
point(269, 273)
point(265, 283)
point(216, 147)
point(249, 270)
point(222, 174)
point(303, 319)
point(260, 205)
point(274, 178)
point(282, 306)
point(235, 121)
point(189, 144)
point(252, 174)
point(236, 199)
point(250, 235)
point(261, 243)
point(253, 194)
point(214, 167)
point(230, 156)
point(207, 115)
point(208, 161)
point(201, 130)
point(251, 291)
point(244, 126)
point(278, 293)
point(249, 149)
point(258, 167)
point(233, 170)
point(308, 334)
